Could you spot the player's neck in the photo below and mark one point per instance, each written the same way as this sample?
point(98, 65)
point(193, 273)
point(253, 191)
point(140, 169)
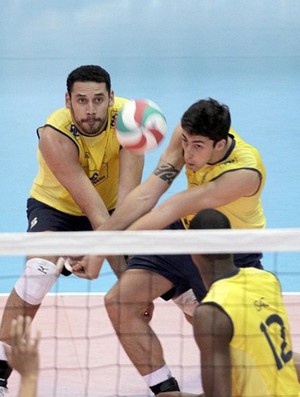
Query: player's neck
point(227, 148)
point(221, 155)
point(219, 270)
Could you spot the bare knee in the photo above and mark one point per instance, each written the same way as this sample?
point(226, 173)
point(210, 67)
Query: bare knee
point(122, 310)
point(115, 304)
point(110, 302)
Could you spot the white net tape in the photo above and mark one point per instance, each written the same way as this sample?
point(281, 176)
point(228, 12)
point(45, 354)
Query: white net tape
point(150, 242)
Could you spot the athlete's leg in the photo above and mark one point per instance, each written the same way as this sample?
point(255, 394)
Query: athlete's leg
point(39, 274)
point(36, 281)
point(126, 303)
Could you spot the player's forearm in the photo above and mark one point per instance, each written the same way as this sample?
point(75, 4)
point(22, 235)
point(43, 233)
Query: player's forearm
point(28, 386)
point(88, 200)
point(135, 205)
point(125, 216)
point(157, 219)
point(94, 209)
point(148, 222)
point(130, 176)
point(98, 219)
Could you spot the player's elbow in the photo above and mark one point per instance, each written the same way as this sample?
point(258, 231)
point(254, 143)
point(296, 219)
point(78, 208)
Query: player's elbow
point(147, 201)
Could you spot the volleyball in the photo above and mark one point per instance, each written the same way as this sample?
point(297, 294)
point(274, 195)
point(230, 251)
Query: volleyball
point(141, 126)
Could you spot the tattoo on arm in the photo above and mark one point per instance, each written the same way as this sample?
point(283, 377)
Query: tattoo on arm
point(166, 172)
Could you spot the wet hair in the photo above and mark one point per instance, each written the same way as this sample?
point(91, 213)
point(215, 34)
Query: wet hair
point(211, 219)
point(86, 73)
point(208, 118)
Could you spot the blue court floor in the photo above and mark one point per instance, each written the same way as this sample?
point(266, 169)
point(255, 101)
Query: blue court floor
point(244, 54)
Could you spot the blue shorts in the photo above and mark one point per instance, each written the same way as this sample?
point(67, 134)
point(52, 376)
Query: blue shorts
point(41, 217)
point(181, 271)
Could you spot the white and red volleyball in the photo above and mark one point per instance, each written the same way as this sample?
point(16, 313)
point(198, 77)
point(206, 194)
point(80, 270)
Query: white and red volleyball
point(141, 126)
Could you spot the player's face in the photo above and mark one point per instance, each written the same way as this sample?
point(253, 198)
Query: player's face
point(88, 103)
point(198, 151)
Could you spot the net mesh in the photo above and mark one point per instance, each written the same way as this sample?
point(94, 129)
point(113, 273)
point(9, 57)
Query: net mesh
point(80, 353)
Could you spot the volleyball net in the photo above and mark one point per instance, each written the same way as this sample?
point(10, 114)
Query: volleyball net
point(80, 352)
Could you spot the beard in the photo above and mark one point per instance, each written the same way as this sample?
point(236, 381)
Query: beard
point(91, 126)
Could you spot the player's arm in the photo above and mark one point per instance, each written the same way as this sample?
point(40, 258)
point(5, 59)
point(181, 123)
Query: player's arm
point(225, 189)
point(213, 332)
point(138, 202)
point(145, 196)
point(130, 176)
point(130, 173)
point(61, 156)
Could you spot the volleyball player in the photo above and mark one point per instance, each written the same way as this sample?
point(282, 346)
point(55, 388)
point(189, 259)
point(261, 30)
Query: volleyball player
point(241, 327)
point(224, 172)
point(83, 175)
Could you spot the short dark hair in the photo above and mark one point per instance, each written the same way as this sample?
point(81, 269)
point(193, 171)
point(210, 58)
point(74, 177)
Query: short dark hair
point(88, 73)
point(209, 118)
point(211, 219)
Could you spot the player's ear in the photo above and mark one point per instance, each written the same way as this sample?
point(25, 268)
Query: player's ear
point(68, 100)
point(221, 144)
point(111, 98)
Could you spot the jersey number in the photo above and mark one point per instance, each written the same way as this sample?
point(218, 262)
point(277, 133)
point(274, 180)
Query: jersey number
point(284, 355)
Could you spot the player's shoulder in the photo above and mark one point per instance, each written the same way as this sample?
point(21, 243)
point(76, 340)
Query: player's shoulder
point(210, 317)
point(244, 153)
point(119, 102)
point(263, 278)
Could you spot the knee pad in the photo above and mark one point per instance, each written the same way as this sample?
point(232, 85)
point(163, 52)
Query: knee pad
point(186, 302)
point(38, 278)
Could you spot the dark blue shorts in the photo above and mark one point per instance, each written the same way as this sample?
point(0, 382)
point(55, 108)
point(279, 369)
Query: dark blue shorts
point(181, 271)
point(41, 217)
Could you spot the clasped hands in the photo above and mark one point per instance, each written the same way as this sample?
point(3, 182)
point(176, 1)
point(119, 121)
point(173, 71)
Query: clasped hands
point(87, 267)
point(82, 266)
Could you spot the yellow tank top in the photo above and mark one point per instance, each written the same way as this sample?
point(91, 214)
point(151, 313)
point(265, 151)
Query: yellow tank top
point(260, 349)
point(246, 212)
point(98, 156)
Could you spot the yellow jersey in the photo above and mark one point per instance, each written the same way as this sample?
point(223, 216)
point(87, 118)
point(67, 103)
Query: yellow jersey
point(98, 156)
point(260, 349)
point(246, 212)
